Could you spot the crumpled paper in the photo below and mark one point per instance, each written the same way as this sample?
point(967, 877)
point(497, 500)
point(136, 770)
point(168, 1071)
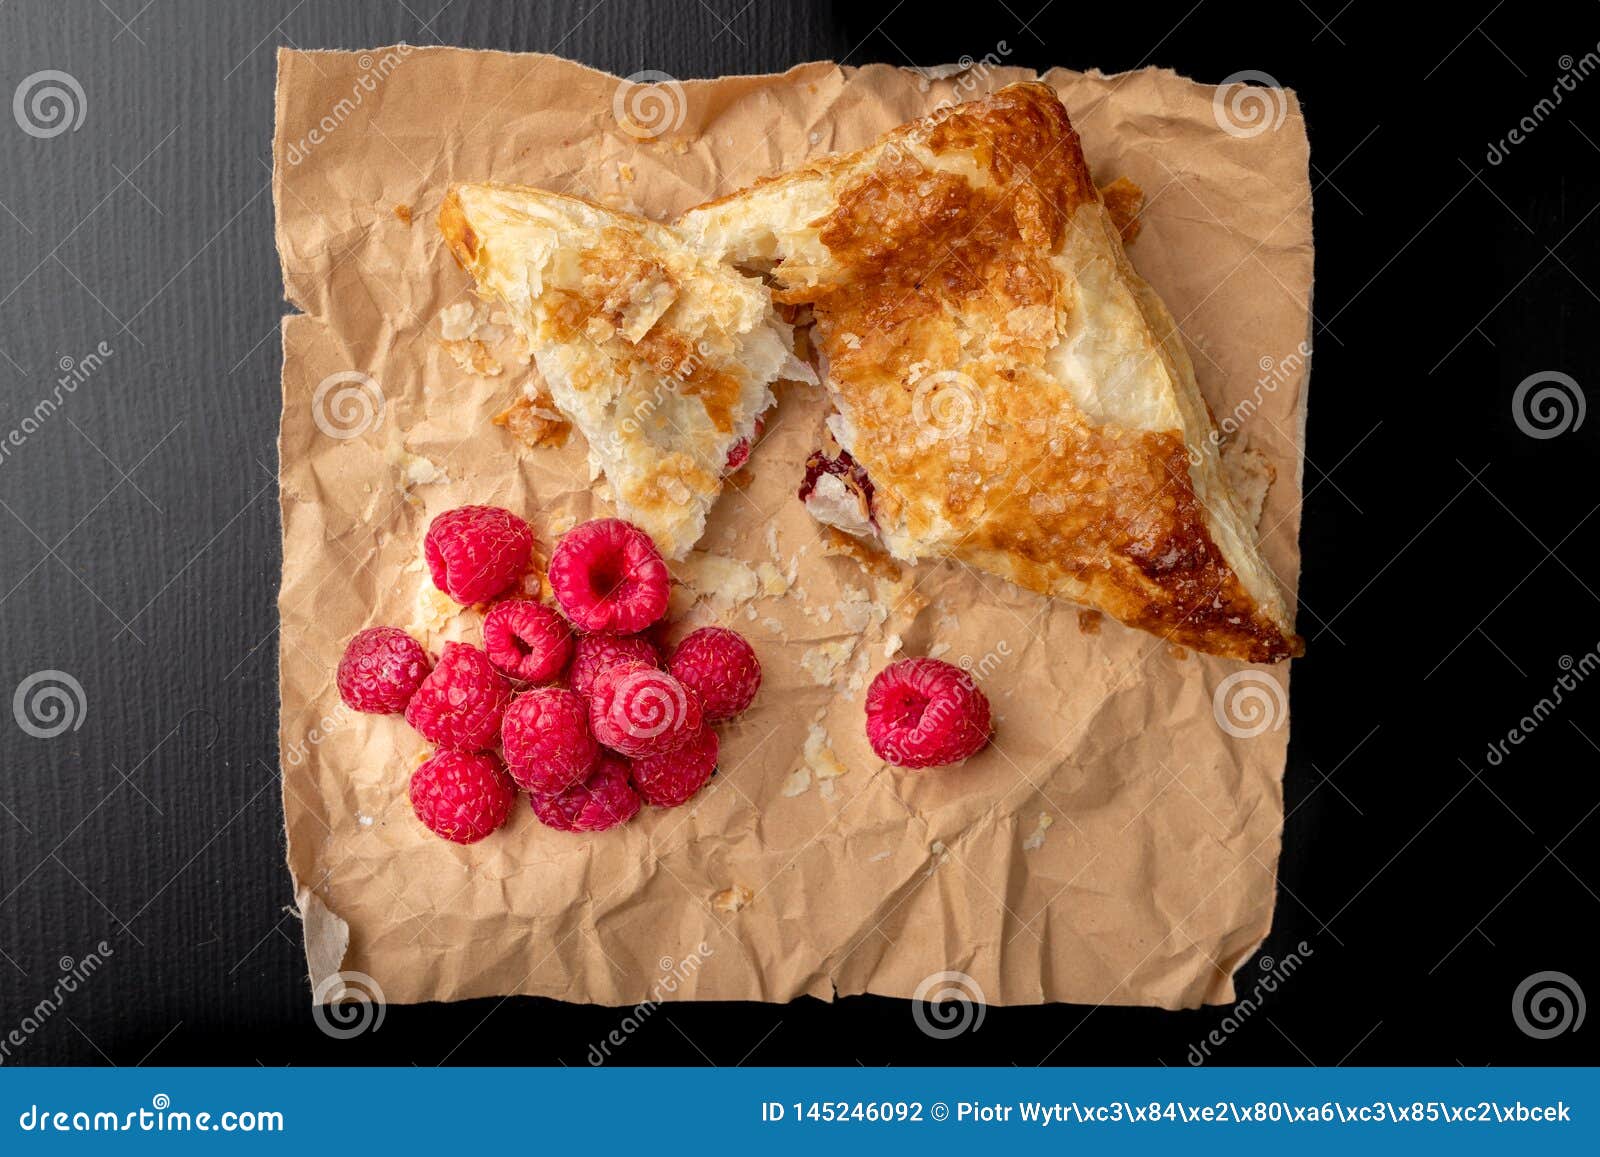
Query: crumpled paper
point(1118, 841)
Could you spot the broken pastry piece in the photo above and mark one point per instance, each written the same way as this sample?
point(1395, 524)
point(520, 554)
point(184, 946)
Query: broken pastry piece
point(1009, 391)
point(662, 358)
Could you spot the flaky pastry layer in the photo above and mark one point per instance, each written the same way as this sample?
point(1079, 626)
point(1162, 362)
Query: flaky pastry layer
point(662, 357)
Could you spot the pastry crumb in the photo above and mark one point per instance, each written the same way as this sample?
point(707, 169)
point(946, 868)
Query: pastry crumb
point(1250, 476)
point(773, 581)
point(414, 469)
point(458, 322)
point(819, 755)
point(732, 899)
point(403, 212)
point(717, 578)
point(1036, 839)
point(824, 659)
point(837, 544)
point(1089, 621)
point(435, 611)
point(473, 357)
point(534, 422)
point(1124, 201)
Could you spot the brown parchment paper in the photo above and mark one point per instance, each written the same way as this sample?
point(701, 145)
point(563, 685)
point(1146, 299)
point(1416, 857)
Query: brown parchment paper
point(1115, 844)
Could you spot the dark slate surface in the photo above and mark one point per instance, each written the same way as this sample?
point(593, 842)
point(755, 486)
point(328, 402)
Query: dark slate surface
point(1449, 574)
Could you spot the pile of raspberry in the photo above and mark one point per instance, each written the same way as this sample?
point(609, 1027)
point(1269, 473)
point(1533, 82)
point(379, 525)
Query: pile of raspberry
point(571, 704)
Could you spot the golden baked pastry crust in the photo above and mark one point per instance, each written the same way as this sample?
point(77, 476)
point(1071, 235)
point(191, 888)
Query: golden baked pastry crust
point(1019, 398)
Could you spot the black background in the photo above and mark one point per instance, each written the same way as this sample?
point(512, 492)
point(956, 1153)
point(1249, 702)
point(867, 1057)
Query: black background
point(1449, 557)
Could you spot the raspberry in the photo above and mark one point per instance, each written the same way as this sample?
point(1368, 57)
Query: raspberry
point(462, 797)
point(381, 669)
point(527, 640)
point(592, 654)
point(546, 740)
point(925, 713)
point(638, 710)
point(669, 779)
point(608, 576)
point(458, 706)
point(475, 552)
point(720, 667)
point(604, 800)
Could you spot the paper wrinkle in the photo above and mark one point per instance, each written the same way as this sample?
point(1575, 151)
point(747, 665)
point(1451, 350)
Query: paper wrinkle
point(1146, 891)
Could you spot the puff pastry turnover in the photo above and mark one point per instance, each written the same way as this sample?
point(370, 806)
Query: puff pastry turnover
point(1010, 393)
point(662, 357)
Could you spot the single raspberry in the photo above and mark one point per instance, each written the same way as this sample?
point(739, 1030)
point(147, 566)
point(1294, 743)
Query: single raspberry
point(458, 706)
point(926, 713)
point(720, 667)
point(381, 669)
point(475, 552)
point(545, 736)
point(639, 710)
point(608, 576)
point(460, 796)
point(592, 654)
point(669, 779)
point(527, 640)
point(604, 800)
